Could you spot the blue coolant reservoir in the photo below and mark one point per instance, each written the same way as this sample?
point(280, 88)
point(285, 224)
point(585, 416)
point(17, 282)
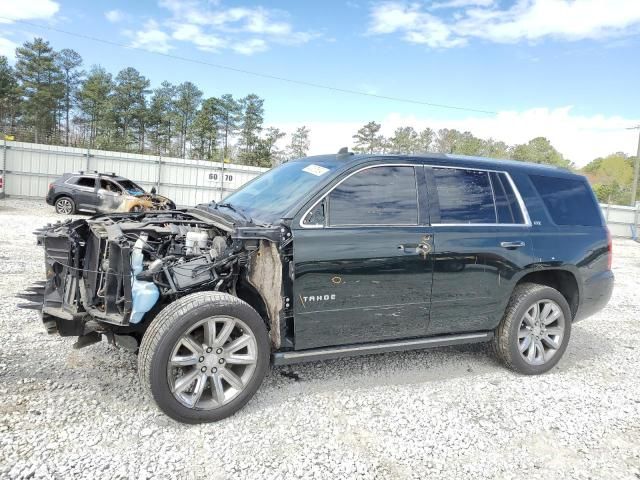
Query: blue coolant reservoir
point(144, 295)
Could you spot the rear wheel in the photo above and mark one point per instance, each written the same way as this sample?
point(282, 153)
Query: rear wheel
point(65, 206)
point(535, 330)
point(204, 356)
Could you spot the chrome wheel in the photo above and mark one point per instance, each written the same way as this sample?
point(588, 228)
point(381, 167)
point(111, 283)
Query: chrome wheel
point(212, 363)
point(541, 331)
point(64, 206)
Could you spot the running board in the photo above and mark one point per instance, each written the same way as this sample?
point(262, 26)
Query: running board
point(312, 355)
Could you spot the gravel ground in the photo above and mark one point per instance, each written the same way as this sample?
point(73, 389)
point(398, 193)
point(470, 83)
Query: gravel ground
point(446, 413)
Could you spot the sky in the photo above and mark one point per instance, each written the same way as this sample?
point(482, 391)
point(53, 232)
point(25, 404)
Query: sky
point(513, 70)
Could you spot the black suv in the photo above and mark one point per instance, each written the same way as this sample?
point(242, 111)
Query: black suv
point(333, 256)
point(100, 193)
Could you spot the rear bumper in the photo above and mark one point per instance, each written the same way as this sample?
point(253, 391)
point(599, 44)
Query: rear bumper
point(596, 293)
point(49, 198)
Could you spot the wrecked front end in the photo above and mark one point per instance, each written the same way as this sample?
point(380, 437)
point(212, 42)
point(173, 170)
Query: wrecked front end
point(109, 275)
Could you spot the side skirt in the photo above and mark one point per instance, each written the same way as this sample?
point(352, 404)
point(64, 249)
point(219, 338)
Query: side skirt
point(315, 354)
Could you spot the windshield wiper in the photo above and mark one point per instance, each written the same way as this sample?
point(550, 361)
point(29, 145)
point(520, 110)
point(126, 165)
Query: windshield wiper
point(234, 209)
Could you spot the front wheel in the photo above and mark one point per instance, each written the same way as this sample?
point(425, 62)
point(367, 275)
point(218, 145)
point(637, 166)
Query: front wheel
point(535, 330)
point(204, 356)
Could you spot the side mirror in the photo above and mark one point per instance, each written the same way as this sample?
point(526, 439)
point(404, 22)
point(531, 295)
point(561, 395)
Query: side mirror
point(153, 190)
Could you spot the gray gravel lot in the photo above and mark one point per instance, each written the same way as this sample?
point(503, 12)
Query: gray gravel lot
point(446, 413)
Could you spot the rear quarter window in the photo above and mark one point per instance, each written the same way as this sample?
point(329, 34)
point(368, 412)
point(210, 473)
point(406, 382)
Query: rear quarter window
point(568, 201)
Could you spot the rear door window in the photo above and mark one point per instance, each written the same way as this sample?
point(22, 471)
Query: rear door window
point(465, 196)
point(85, 182)
point(385, 195)
point(568, 201)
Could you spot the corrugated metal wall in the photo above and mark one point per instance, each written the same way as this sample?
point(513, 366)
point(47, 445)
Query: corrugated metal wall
point(622, 221)
point(30, 167)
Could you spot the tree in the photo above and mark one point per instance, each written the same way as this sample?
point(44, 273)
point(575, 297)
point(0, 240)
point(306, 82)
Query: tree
point(271, 155)
point(404, 140)
point(40, 77)
point(425, 140)
point(204, 131)
point(188, 98)
point(9, 95)
point(539, 150)
point(495, 149)
point(94, 101)
point(300, 143)
point(69, 62)
point(250, 125)
point(229, 116)
point(368, 139)
point(161, 117)
point(611, 177)
point(130, 104)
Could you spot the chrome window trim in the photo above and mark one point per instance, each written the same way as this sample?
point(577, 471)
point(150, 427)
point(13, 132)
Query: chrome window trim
point(521, 204)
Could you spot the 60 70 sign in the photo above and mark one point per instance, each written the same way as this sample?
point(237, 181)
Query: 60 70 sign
point(216, 176)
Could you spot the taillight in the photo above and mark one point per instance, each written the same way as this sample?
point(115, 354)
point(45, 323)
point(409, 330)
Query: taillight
point(50, 186)
point(1, 182)
point(609, 250)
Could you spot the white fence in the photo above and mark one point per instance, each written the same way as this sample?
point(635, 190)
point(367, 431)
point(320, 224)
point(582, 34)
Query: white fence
point(29, 168)
point(622, 221)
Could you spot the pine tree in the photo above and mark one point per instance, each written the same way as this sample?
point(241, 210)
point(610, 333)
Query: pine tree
point(229, 116)
point(368, 139)
point(40, 78)
point(69, 62)
point(9, 96)
point(94, 101)
point(300, 143)
point(187, 102)
point(251, 125)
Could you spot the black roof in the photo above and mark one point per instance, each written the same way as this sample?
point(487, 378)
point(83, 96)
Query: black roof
point(351, 159)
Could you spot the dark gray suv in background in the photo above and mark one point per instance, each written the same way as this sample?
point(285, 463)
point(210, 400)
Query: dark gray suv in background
point(102, 193)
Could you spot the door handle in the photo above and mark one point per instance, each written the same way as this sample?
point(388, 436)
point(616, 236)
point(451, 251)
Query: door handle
point(423, 249)
point(512, 245)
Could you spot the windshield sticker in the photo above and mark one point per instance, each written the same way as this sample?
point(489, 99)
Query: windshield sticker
point(316, 170)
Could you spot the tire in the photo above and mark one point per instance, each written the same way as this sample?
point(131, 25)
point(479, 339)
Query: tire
point(65, 205)
point(169, 338)
point(518, 334)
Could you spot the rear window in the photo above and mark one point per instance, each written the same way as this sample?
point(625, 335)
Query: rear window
point(568, 201)
point(465, 196)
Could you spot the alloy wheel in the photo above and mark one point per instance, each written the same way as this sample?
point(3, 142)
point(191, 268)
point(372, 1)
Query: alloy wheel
point(64, 206)
point(212, 362)
point(540, 332)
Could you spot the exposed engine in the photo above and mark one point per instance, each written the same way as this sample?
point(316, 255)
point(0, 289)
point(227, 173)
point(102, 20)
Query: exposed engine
point(117, 267)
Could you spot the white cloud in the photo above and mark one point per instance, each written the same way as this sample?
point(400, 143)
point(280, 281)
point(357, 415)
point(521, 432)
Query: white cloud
point(114, 16)
point(210, 26)
point(251, 46)
point(152, 38)
point(28, 10)
point(8, 48)
point(526, 20)
point(579, 138)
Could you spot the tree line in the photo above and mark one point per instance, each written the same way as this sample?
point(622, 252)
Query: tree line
point(611, 177)
point(47, 97)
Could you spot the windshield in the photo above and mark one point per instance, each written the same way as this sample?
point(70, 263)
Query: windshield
point(272, 194)
point(131, 188)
